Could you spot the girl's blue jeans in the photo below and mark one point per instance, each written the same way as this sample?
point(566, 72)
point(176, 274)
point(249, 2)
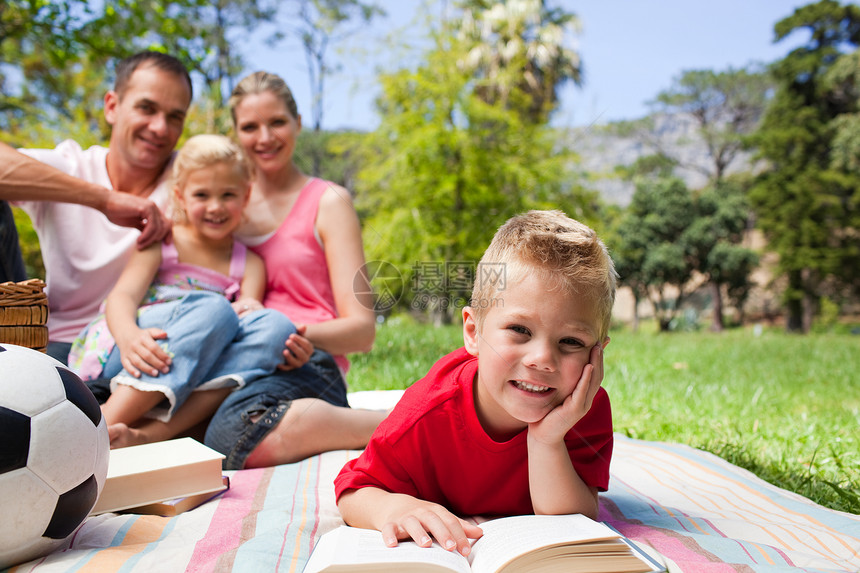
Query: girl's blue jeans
point(249, 413)
point(211, 347)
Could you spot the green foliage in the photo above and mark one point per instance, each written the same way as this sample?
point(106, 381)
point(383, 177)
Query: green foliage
point(783, 407)
point(667, 233)
point(63, 52)
point(828, 317)
point(446, 167)
point(654, 165)
point(198, 32)
point(48, 74)
point(29, 241)
point(807, 200)
point(713, 244)
point(516, 52)
point(338, 155)
point(726, 106)
point(649, 254)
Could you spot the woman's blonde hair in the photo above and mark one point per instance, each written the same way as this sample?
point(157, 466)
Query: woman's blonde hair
point(260, 82)
point(563, 252)
point(199, 152)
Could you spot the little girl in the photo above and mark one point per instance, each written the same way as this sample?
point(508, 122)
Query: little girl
point(169, 327)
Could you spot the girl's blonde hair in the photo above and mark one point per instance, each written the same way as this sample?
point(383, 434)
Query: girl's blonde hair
point(564, 253)
point(260, 82)
point(199, 152)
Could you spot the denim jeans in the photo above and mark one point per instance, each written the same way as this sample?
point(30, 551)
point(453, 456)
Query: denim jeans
point(249, 413)
point(59, 350)
point(210, 345)
point(11, 262)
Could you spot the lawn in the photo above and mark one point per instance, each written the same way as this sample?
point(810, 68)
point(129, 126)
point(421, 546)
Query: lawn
point(786, 407)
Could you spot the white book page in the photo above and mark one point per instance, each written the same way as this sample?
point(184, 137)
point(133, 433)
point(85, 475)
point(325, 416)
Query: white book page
point(509, 537)
point(355, 546)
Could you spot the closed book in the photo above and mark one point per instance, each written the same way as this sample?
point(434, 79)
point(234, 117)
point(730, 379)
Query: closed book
point(157, 472)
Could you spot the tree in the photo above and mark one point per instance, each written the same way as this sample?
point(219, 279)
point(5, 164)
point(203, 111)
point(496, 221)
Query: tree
point(650, 253)
point(627, 256)
point(842, 83)
point(340, 153)
point(446, 168)
point(517, 55)
point(51, 44)
point(713, 244)
point(198, 32)
point(321, 24)
point(725, 107)
point(806, 204)
point(668, 233)
point(40, 47)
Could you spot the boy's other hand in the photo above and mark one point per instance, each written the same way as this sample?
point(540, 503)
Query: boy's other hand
point(558, 422)
point(422, 520)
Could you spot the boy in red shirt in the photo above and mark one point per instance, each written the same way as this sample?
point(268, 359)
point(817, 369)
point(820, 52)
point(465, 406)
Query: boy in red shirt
point(516, 421)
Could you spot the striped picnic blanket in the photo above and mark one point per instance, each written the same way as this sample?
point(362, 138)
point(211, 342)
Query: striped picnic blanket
point(689, 509)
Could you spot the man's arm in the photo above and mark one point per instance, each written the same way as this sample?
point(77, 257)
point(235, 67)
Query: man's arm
point(23, 178)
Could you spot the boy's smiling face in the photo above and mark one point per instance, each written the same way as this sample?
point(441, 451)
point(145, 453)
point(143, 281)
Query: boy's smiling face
point(531, 348)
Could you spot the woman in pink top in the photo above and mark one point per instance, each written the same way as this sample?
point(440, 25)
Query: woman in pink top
point(308, 234)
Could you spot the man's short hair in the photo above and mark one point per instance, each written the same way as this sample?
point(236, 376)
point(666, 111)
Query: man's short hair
point(126, 67)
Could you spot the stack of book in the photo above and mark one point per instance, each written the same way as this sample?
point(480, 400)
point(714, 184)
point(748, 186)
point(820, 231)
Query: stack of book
point(162, 478)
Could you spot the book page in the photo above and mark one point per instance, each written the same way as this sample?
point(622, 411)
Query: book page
point(508, 537)
point(354, 549)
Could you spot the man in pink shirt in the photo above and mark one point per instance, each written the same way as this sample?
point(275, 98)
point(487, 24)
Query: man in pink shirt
point(92, 207)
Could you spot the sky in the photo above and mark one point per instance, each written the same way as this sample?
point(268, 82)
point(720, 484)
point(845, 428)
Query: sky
point(631, 50)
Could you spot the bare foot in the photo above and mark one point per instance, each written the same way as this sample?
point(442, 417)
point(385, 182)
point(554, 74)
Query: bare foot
point(122, 436)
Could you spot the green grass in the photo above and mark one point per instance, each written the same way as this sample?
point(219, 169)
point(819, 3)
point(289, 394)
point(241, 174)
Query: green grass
point(785, 407)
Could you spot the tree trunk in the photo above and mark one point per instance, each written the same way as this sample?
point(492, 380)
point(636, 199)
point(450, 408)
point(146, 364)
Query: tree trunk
point(717, 295)
point(809, 307)
point(809, 301)
point(794, 305)
point(635, 312)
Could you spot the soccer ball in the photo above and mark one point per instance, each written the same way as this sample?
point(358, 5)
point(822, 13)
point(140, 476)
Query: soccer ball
point(53, 453)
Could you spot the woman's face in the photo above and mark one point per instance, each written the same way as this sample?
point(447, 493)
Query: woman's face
point(267, 131)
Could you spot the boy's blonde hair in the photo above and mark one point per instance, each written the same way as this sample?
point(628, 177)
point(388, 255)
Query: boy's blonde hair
point(563, 252)
point(199, 152)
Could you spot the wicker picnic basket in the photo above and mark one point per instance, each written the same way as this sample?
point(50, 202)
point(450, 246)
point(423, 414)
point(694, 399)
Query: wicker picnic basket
point(24, 313)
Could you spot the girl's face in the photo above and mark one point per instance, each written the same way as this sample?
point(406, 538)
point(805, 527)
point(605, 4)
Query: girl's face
point(213, 199)
point(267, 131)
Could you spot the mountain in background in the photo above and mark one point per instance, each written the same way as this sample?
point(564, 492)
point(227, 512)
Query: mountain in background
point(602, 148)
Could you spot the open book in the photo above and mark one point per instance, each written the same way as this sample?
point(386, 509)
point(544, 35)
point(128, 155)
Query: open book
point(525, 543)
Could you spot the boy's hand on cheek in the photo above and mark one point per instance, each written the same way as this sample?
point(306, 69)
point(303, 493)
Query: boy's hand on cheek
point(558, 422)
point(422, 521)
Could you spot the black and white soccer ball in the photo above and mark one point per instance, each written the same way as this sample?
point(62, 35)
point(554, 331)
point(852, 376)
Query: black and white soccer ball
point(54, 451)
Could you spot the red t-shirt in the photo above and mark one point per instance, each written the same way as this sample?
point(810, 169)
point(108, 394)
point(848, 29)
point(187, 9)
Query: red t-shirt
point(433, 447)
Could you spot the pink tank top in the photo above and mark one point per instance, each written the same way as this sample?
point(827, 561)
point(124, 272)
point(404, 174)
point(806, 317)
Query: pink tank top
point(297, 278)
point(174, 277)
